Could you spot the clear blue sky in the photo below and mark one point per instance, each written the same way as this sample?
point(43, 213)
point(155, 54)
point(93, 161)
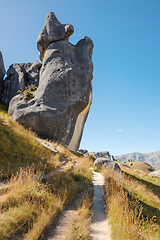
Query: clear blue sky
point(125, 113)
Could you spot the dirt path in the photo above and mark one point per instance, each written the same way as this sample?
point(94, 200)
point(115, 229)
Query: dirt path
point(100, 229)
point(58, 229)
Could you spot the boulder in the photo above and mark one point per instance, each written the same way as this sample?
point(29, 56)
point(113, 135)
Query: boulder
point(155, 173)
point(52, 31)
point(2, 72)
point(62, 100)
point(99, 162)
point(19, 77)
point(83, 151)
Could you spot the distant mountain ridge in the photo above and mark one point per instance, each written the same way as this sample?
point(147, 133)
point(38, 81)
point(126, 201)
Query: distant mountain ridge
point(152, 158)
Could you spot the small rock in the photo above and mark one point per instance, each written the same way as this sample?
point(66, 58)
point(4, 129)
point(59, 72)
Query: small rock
point(62, 159)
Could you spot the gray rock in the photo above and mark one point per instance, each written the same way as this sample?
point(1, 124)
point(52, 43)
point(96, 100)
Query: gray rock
point(19, 77)
point(52, 31)
point(62, 101)
point(99, 162)
point(104, 154)
point(112, 158)
point(2, 71)
point(84, 151)
point(63, 159)
point(155, 173)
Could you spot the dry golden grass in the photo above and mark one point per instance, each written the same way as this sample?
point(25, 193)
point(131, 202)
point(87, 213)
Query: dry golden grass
point(26, 200)
point(142, 175)
point(79, 227)
point(137, 166)
point(126, 203)
point(19, 148)
point(28, 205)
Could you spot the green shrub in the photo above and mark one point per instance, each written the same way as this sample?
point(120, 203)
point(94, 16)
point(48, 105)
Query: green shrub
point(28, 92)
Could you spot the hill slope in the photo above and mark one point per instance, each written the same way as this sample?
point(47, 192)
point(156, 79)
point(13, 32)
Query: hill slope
point(41, 180)
point(152, 158)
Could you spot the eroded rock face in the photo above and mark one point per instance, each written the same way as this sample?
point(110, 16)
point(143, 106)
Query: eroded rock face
point(64, 95)
point(52, 31)
point(2, 71)
point(20, 76)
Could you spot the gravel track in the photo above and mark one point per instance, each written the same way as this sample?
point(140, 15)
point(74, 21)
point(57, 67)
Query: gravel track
point(100, 229)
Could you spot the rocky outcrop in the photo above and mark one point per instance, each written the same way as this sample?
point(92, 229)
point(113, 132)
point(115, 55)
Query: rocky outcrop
point(19, 77)
point(62, 101)
point(83, 151)
point(99, 162)
point(155, 173)
point(52, 31)
point(104, 154)
point(2, 72)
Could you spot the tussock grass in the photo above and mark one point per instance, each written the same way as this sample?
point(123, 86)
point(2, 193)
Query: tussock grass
point(137, 166)
point(82, 169)
point(19, 148)
point(142, 175)
point(151, 182)
point(128, 206)
point(79, 227)
point(25, 202)
point(29, 204)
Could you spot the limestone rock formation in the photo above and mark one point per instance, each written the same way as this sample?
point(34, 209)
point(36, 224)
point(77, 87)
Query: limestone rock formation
point(99, 162)
point(2, 72)
point(52, 31)
point(62, 101)
point(103, 154)
point(19, 77)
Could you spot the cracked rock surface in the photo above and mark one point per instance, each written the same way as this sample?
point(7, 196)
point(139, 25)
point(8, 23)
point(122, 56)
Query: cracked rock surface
point(62, 100)
point(19, 77)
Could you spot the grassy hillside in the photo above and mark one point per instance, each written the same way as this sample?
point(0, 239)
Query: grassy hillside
point(40, 182)
point(137, 167)
point(19, 148)
point(133, 203)
point(31, 199)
